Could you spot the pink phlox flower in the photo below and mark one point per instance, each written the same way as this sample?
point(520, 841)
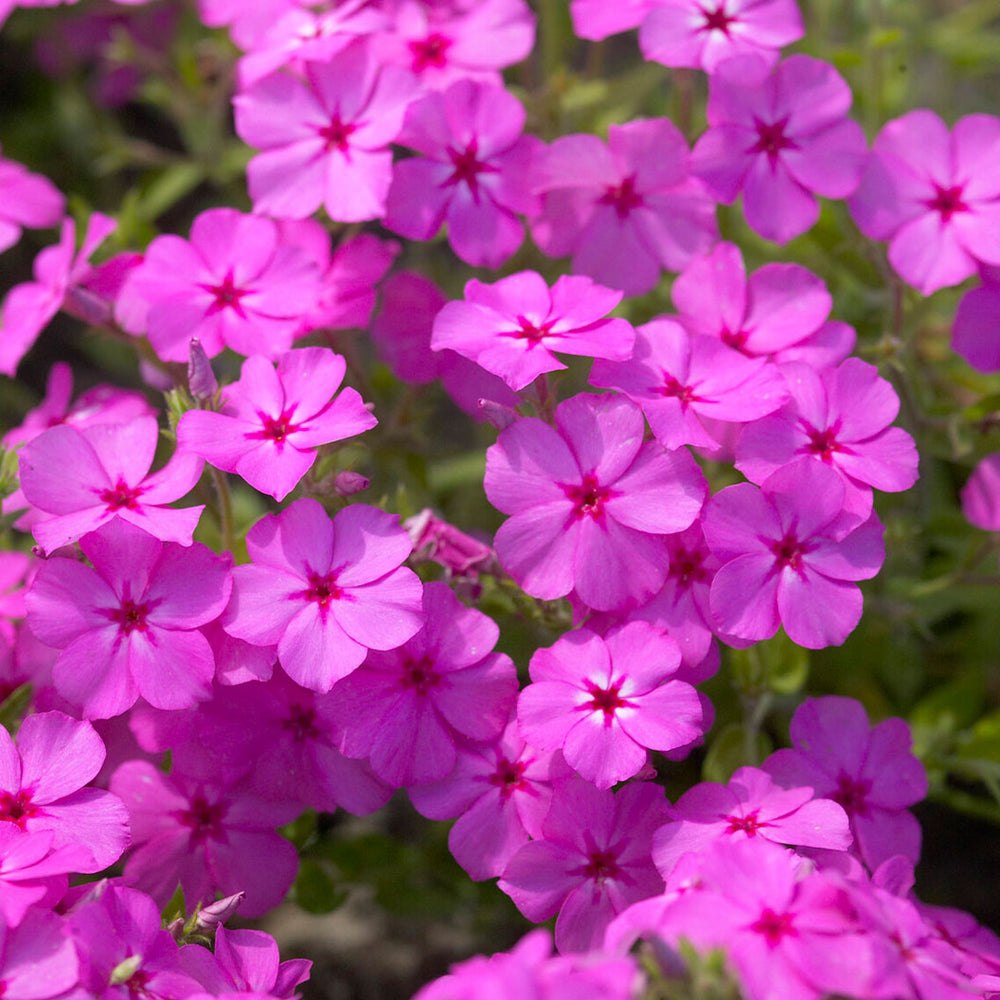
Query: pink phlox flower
point(325, 592)
point(500, 791)
point(129, 626)
point(780, 310)
point(324, 139)
point(591, 862)
point(247, 23)
point(402, 334)
point(595, 20)
point(349, 276)
point(703, 33)
point(589, 502)
point(244, 961)
point(980, 947)
point(787, 934)
point(436, 540)
point(37, 958)
point(750, 805)
point(406, 708)
point(209, 837)
point(512, 328)
point(682, 604)
point(124, 949)
point(14, 570)
point(840, 417)
point(790, 556)
point(26, 660)
point(33, 876)
point(443, 42)
point(935, 196)
point(29, 307)
point(676, 378)
point(103, 404)
point(234, 284)
point(42, 781)
point(301, 35)
point(605, 701)
point(273, 419)
point(974, 332)
point(981, 494)
point(625, 210)
point(781, 136)
point(91, 476)
point(26, 199)
point(474, 172)
point(869, 770)
point(238, 662)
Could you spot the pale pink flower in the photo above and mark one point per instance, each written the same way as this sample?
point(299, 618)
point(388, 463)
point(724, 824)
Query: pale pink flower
point(26, 199)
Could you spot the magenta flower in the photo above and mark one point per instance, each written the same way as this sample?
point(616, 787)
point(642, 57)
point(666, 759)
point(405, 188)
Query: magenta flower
point(58, 269)
point(677, 378)
point(750, 805)
point(37, 958)
point(981, 494)
point(781, 136)
point(597, 19)
point(26, 199)
point(625, 211)
point(870, 771)
point(42, 782)
point(605, 700)
point(788, 935)
point(325, 592)
point(235, 284)
point(32, 875)
point(703, 33)
point(935, 196)
point(500, 791)
point(589, 501)
point(129, 626)
point(209, 838)
point(273, 420)
point(405, 709)
point(325, 140)
point(840, 417)
point(591, 862)
point(790, 554)
point(474, 173)
point(512, 327)
point(88, 477)
point(443, 42)
point(974, 334)
point(780, 310)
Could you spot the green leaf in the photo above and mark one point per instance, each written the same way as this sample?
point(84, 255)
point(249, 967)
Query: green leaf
point(315, 891)
point(733, 748)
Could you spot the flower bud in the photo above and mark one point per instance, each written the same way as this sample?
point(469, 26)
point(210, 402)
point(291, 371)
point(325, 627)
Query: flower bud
point(201, 378)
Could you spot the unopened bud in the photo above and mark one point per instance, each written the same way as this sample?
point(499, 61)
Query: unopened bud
point(209, 917)
point(86, 305)
point(201, 378)
point(347, 483)
point(176, 928)
point(500, 416)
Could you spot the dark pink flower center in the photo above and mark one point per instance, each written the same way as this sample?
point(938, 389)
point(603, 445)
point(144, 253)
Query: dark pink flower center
point(688, 567)
point(301, 723)
point(227, 296)
point(204, 820)
point(420, 675)
point(336, 134)
point(717, 20)
point(137, 983)
point(17, 807)
point(322, 590)
point(130, 617)
point(121, 495)
point(748, 824)
point(276, 428)
point(467, 168)
point(606, 700)
point(789, 552)
point(589, 498)
point(823, 443)
point(852, 794)
point(530, 331)
point(508, 777)
point(602, 865)
point(429, 51)
point(947, 201)
point(623, 197)
point(774, 926)
point(673, 389)
point(771, 139)
point(735, 339)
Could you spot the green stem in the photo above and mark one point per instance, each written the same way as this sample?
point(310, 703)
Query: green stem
point(225, 509)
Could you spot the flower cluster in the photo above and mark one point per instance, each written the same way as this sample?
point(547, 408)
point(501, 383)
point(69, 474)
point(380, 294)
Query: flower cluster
point(213, 635)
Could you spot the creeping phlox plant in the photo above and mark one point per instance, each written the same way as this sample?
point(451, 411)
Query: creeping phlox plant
point(269, 577)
